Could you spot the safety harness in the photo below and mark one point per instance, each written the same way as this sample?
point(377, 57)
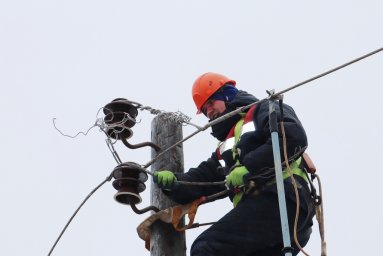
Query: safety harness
point(245, 125)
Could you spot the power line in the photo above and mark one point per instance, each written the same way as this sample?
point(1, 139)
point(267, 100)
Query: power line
point(77, 210)
point(328, 72)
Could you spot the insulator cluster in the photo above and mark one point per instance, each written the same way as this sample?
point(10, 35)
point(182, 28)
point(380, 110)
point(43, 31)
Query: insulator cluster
point(120, 117)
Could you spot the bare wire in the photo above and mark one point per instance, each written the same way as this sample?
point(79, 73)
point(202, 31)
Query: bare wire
point(73, 136)
point(77, 210)
point(328, 72)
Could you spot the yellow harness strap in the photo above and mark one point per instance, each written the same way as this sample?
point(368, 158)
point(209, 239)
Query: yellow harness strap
point(294, 169)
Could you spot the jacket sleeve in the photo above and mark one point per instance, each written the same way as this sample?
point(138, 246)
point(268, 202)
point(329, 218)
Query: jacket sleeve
point(207, 171)
point(256, 147)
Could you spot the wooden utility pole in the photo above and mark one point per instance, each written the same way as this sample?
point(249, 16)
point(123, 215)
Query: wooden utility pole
point(165, 240)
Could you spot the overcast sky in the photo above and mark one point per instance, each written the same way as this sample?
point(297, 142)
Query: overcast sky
point(67, 59)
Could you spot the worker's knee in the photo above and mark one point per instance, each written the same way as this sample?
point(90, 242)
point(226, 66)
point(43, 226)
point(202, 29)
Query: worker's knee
point(200, 248)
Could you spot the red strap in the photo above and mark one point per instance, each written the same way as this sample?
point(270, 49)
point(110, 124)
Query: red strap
point(249, 114)
point(248, 118)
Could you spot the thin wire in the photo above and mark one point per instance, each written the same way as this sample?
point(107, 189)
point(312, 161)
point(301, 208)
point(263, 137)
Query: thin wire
point(98, 123)
point(73, 136)
point(77, 210)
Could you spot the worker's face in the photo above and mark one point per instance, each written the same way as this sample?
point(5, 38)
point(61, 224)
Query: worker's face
point(213, 108)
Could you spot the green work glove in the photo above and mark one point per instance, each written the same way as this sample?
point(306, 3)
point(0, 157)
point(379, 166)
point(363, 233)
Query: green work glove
point(164, 179)
point(236, 177)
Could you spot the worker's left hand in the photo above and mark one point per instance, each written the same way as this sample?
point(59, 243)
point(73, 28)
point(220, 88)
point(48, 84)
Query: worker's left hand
point(236, 177)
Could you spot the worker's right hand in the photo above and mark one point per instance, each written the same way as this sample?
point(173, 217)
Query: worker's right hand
point(236, 177)
point(164, 179)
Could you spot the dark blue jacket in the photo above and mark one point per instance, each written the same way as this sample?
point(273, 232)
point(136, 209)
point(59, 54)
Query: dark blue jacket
point(255, 147)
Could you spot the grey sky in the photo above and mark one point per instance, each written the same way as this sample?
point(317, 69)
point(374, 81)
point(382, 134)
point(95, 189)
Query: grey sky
point(67, 59)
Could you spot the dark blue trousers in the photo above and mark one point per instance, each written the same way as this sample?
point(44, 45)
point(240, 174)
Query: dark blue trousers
point(254, 226)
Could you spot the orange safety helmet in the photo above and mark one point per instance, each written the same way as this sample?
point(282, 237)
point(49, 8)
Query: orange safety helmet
point(206, 85)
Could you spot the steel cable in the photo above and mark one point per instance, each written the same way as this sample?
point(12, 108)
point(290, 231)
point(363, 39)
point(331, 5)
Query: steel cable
point(77, 210)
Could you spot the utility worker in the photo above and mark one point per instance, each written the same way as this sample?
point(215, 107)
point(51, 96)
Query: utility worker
point(244, 157)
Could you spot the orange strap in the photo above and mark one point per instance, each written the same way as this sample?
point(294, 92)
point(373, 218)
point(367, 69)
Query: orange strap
point(180, 211)
point(170, 215)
